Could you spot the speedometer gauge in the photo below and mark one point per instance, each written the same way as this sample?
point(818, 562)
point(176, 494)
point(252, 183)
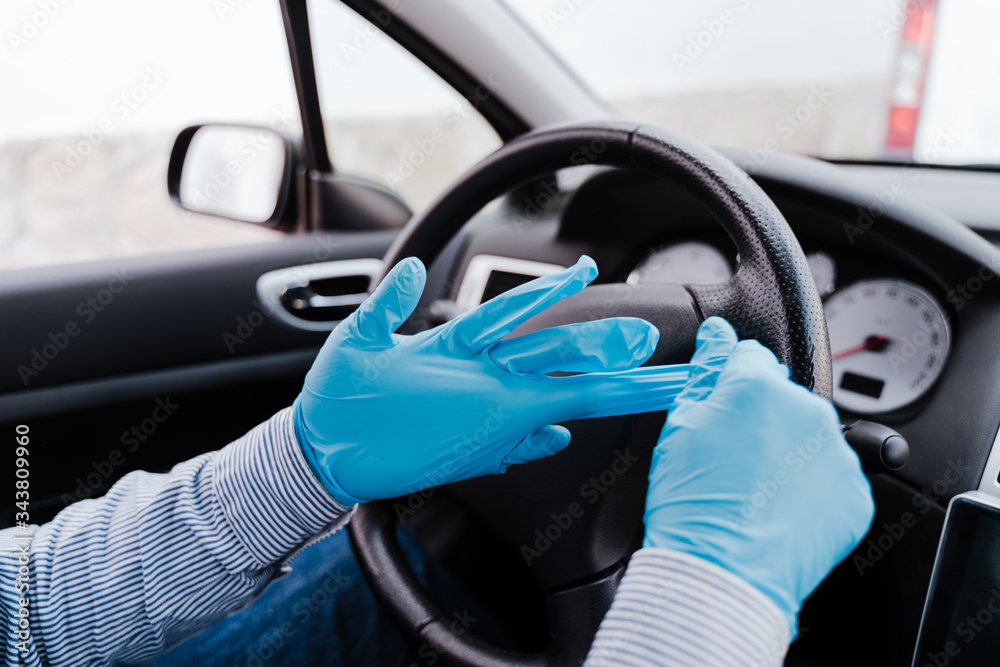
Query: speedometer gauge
point(890, 341)
point(688, 262)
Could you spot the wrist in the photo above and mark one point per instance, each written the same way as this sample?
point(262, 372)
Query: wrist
point(316, 459)
point(267, 494)
point(723, 550)
point(677, 608)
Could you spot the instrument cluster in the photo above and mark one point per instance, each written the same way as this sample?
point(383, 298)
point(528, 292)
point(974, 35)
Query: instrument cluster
point(889, 337)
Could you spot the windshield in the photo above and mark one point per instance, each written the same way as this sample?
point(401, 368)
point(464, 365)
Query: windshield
point(852, 79)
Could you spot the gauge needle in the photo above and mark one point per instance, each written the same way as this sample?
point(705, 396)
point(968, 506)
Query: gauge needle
point(875, 343)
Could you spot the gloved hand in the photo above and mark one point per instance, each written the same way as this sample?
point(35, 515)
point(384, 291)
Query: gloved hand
point(752, 473)
point(382, 415)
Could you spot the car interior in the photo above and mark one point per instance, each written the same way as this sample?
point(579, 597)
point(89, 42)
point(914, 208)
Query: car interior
point(873, 280)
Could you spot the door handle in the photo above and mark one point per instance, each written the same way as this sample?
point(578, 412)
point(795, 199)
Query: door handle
point(318, 296)
point(305, 298)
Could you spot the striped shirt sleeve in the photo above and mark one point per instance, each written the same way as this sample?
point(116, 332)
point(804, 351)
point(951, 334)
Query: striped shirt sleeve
point(160, 557)
point(676, 609)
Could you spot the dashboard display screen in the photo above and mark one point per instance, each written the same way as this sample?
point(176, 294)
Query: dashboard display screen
point(961, 624)
point(861, 384)
point(501, 281)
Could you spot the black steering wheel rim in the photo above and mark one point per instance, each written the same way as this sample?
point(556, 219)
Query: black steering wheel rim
point(771, 297)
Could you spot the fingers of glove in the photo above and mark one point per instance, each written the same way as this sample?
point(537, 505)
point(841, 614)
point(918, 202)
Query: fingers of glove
point(647, 389)
point(715, 343)
point(546, 441)
point(753, 362)
point(497, 318)
point(617, 343)
point(374, 322)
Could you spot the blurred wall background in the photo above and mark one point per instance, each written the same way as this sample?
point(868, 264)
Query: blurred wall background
point(116, 80)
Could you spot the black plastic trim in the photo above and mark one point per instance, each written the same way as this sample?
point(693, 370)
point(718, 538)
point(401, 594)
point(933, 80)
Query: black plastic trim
point(49, 402)
point(296, 19)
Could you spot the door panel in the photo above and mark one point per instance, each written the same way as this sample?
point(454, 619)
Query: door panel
point(140, 363)
point(87, 321)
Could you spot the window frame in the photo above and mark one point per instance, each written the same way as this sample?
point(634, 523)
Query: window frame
point(504, 120)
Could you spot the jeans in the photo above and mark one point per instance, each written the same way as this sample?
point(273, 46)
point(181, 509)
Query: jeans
point(322, 613)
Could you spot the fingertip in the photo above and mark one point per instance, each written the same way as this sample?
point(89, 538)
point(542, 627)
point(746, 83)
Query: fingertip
point(755, 350)
point(643, 337)
point(559, 437)
point(652, 340)
point(392, 301)
point(715, 342)
point(754, 362)
point(716, 321)
point(716, 328)
point(410, 274)
point(587, 267)
point(539, 444)
point(417, 265)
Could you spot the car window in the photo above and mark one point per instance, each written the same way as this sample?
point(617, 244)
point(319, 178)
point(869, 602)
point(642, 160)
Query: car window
point(854, 79)
point(84, 141)
point(386, 115)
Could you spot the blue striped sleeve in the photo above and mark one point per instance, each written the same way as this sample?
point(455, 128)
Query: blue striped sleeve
point(160, 557)
point(680, 610)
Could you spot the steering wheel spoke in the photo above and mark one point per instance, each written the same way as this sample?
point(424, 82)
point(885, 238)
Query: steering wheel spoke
point(670, 308)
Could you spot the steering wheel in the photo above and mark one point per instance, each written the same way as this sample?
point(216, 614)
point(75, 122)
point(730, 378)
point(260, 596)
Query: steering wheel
point(771, 297)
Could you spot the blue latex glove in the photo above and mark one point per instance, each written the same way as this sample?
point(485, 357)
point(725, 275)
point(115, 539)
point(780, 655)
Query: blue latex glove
point(752, 473)
point(382, 415)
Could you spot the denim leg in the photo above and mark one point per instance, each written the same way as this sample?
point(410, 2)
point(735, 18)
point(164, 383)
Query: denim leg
point(322, 613)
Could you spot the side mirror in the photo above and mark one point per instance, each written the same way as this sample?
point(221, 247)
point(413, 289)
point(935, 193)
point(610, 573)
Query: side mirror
point(239, 172)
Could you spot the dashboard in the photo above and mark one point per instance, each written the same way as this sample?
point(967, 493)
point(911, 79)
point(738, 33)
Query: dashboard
point(889, 335)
